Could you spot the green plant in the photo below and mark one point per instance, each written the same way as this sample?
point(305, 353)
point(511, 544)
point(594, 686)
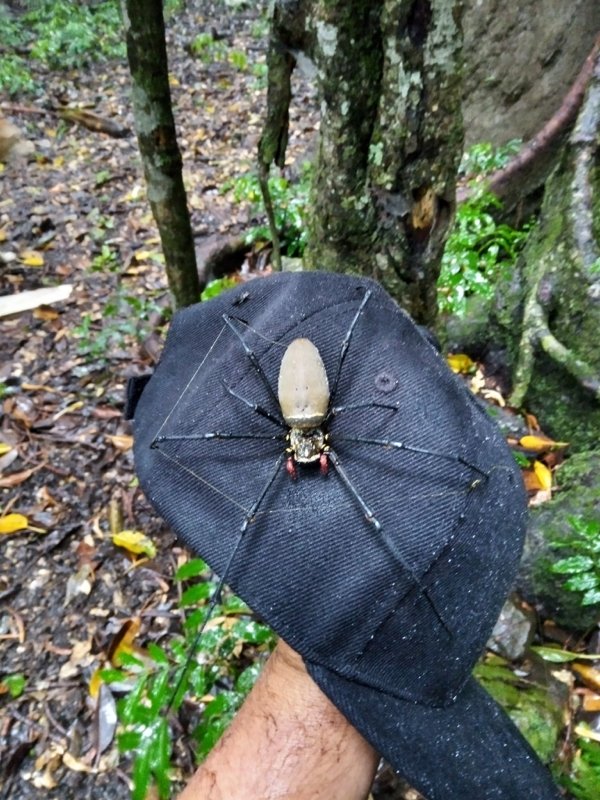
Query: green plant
point(107, 260)
point(483, 158)
point(479, 251)
point(59, 35)
point(216, 671)
point(207, 48)
point(290, 201)
point(124, 318)
point(584, 781)
point(583, 566)
point(15, 684)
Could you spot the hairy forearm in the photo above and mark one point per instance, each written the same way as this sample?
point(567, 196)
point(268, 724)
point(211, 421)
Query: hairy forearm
point(287, 741)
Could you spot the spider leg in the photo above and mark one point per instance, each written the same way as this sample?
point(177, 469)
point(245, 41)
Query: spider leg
point(346, 342)
point(411, 449)
point(255, 407)
point(252, 356)
point(215, 599)
point(213, 435)
point(372, 520)
point(352, 406)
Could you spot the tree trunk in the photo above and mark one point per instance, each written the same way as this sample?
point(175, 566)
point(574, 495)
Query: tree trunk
point(147, 55)
point(555, 347)
point(388, 76)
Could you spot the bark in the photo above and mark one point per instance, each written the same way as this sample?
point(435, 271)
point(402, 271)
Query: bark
point(388, 76)
point(147, 55)
point(557, 373)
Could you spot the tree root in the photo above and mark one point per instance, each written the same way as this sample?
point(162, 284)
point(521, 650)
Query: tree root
point(502, 182)
point(535, 329)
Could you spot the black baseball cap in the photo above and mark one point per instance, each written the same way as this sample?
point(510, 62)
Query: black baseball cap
point(387, 566)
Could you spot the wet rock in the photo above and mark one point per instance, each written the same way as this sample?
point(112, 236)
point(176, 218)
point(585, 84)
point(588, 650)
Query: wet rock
point(512, 633)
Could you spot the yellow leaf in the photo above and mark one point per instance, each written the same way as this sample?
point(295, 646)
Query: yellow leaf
point(31, 258)
point(543, 474)
point(4, 448)
point(12, 523)
point(540, 444)
point(589, 675)
point(459, 362)
point(136, 542)
point(95, 682)
point(2, 235)
point(121, 442)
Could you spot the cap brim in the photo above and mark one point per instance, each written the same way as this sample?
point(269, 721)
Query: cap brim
point(469, 750)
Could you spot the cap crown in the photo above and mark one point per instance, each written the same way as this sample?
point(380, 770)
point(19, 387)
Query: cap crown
point(365, 603)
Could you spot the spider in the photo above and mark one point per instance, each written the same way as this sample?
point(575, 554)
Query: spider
point(305, 406)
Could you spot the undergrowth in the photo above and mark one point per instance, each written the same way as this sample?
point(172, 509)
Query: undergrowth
point(211, 677)
point(58, 35)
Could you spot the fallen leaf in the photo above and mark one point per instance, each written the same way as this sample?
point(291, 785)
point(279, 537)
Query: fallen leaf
point(591, 702)
point(121, 442)
point(31, 258)
point(122, 641)
point(543, 475)
point(80, 582)
point(16, 478)
point(460, 363)
point(76, 764)
point(12, 523)
point(106, 718)
point(135, 542)
point(589, 675)
point(4, 448)
point(540, 443)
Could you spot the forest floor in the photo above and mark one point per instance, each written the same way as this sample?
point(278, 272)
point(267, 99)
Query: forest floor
point(76, 214)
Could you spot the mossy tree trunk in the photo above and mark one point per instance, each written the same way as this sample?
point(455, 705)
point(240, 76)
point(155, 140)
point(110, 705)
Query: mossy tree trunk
point(155, 126)
point(388, 77)
point(552, 325)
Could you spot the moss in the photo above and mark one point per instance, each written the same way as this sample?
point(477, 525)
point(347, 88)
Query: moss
point(531, 707)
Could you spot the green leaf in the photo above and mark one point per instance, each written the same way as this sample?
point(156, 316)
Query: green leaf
point(591, 597)
point(15, 684)
point(191, 569)
point(128, 740)
point(217, 287)
point(557, 656)
point(573, 564)
point(114, 675)
point(157, 654)
point(583, 582)
point(159, 755)
point(195, 594)
point(141, 771)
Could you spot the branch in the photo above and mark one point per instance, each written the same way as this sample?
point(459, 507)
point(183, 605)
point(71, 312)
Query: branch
point(84, 117)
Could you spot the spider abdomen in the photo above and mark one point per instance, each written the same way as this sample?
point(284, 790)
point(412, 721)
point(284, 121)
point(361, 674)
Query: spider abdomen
point(303, 389)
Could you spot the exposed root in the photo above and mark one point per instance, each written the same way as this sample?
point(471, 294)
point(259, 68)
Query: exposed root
point(536, 331)
point(503, 181)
